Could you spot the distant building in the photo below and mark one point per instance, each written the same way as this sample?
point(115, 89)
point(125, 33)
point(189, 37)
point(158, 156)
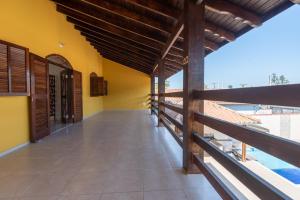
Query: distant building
point(215, 110)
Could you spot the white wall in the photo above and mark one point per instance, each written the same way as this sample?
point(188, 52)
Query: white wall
point(283, 125)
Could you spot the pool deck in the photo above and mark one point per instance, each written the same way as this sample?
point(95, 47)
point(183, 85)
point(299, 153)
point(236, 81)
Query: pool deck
point(275, 179)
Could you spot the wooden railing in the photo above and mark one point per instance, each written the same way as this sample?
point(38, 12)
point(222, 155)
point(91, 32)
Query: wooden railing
point(167, 121)
point(281, 148)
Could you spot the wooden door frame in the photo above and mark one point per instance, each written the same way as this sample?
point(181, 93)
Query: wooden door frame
point(68, 67)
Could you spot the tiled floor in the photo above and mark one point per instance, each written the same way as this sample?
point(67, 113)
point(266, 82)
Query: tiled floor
point(111, 156)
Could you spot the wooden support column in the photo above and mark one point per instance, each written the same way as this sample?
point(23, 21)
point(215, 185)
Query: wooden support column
point(152, 91)
point(193, 78)
point(161, 89)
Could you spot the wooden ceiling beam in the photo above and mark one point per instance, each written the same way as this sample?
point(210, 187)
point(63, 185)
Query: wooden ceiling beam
point(129, 38)
point(174, 59)
point(121, 52)
point(210, 45)
point(126, 63)
point(111, 6)
point(109, 27)
point(116, 20)
point(226, 7)
point(219, 32)
point(112, 54)
point(295, 1)
point(167, 60)
point(175, 13)
point(114, 38)
point(119, 46)
point(157, 7)
point(171, 40)
point(173, 64)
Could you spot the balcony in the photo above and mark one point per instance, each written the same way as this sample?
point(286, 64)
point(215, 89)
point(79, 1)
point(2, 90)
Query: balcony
point(113, 155)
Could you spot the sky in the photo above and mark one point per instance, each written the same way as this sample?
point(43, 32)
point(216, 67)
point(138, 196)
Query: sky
point(273, 47)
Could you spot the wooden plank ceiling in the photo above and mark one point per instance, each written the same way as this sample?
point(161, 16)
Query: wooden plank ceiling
point(139, 33)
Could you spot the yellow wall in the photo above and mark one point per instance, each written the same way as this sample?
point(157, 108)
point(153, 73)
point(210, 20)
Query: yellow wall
point(37, 25)
point(127, 88)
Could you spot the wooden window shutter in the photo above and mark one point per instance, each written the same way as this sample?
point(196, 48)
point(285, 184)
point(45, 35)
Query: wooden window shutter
point(14, 70)
point(4, 88)
point(18, 67)
point(105, 88)
point(101, 85)
point(77, 96)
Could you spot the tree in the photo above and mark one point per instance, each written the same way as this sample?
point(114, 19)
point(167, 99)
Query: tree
point(283, 80)
point(278, 80)
point(230, 86)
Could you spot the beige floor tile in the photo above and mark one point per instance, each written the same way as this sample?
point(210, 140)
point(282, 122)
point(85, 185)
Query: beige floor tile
point(123, 196)
point(165, 195)
point(202, 194)
point(114, 155)
point(80, 197)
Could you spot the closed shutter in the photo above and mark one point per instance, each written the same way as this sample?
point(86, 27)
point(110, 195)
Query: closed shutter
point(17, 62)
point(39, 98)
point(3, 69)
point(14, 70)
point(77, 96)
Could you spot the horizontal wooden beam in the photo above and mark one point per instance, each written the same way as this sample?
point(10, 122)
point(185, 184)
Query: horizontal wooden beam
point(219, 32)
point(171, 40)
point(130, 63)
point(158, 7)
point(126, 63)
point(118, 53)
point(172, 58)
point(173, 121)
point(119, 33)
point(116, 20)
point(208, 44)
point(295, 1)
point(282, 95)
point(109, 27)
point(117, 9)
point(175, 13)
point(115, 39)
point(174, 108)
point(173, 64)
point(172, 132)
point(173, 94)
point(115, 52)
point(255, 183)
point(226, 7)
point(214, 180)
point(120, 46)
point(281, 148)
point(129, 55)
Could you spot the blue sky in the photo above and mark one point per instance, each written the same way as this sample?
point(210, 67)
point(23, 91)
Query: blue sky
point(272, 48)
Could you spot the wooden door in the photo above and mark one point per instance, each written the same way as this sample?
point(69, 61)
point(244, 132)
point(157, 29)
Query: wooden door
point(39, 103)
point(66, 96)
point(77, 96)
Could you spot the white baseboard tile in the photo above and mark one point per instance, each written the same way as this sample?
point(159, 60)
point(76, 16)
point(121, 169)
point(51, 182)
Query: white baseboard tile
point(13, 149)
point(92, 115)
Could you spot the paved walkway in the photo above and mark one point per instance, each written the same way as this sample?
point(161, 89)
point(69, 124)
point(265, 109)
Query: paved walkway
point(111, 156)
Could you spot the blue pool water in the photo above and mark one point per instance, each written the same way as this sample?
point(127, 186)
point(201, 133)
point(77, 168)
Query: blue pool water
point(284, 169)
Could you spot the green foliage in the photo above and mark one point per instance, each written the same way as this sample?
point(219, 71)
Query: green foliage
point(278, 80)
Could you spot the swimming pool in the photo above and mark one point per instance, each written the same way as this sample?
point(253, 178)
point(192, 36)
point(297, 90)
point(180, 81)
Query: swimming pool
point(284, 169)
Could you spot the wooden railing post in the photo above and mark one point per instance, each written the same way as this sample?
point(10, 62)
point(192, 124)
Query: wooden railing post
point(152, 91)
point(161, 89)
point(193, 77)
